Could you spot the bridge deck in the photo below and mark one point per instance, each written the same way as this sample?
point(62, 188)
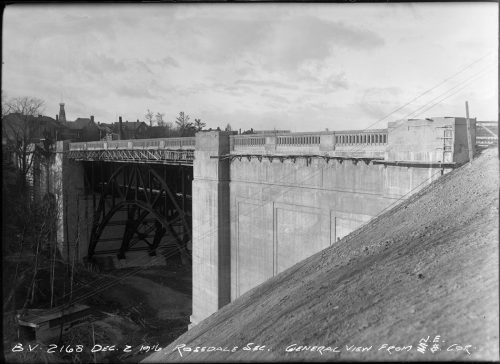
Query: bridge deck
point(349, 143)
point(161, 150)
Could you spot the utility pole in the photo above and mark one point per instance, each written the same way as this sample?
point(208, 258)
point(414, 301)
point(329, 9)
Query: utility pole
point(469, 140)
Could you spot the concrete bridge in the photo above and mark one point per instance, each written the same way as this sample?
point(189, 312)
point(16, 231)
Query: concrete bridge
point(246, 206)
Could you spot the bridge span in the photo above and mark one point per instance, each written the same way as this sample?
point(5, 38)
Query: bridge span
point(244, 207)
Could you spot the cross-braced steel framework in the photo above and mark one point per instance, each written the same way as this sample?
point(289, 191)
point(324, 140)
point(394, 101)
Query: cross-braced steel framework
point(162, 156)
point(154, 205)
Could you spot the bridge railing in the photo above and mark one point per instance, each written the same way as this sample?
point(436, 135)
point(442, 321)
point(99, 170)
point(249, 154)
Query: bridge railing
point(160, 143)
point(368, 137)
point(356, 142)
point(298, 139)
point(117, 144)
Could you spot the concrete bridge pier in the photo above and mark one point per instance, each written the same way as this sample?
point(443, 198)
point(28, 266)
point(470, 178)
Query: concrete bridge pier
point(211, 225)
point(74, 209)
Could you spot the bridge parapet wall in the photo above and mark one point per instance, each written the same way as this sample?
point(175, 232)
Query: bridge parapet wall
point(365, 143)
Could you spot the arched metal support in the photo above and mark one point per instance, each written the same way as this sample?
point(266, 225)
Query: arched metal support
point(144, 193)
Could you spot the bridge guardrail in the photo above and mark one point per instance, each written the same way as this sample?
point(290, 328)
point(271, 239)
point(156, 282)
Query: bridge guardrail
point(313, 142)
point(310, 142)
point(249, 141)
point(299, 139)
point(117, 144)
point(367, 137)
point(159, 143)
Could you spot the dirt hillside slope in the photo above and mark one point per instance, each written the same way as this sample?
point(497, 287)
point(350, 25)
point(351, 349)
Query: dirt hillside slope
point(427, 268)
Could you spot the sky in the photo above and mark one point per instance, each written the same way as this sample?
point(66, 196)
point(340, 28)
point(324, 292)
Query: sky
point(301, 67)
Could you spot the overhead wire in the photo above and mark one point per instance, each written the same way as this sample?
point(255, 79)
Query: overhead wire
point(429, 104)
point(428, 90)
point(462, 85)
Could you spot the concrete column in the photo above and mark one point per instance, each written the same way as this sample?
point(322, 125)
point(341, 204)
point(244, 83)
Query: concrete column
point(73, 215)
point(36, 172)
point(211, 225)
point(270, 145)
point(327, 143)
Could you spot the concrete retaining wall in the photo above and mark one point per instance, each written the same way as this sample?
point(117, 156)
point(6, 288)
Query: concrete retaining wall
point(283, 212)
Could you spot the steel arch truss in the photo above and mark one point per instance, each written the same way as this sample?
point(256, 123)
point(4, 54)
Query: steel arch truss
point(151, 208)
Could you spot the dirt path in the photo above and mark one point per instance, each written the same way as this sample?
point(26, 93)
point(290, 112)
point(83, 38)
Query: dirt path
point(426, 269)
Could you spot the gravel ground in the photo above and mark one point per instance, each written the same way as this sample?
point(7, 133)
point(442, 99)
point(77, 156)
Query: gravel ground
point(427, 269)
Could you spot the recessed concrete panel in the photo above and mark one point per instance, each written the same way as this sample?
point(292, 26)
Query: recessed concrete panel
point(300, 232)
point(398, 180)
point(254, 245)
point(345, 223)
point(251, 170)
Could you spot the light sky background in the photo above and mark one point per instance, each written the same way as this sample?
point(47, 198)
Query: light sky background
point(303, 67)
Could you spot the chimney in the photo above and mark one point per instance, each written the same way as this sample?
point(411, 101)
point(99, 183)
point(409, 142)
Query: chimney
point(92, 118)
point(57, 117)
point(120, 124)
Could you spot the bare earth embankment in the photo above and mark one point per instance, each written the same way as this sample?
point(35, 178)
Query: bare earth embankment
point(427, 268)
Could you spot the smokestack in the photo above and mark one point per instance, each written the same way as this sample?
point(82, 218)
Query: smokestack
point(120, 124)
point(91, 118)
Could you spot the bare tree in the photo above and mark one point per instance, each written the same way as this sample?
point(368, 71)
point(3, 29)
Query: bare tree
point(45, 152)
point(19, 128)
point(5, 105)
point(198, 124)
point(149, 116)
point(169, 127)
point(185, 126)
point(159, 119)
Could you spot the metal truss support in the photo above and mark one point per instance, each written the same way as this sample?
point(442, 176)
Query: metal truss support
point(153, 204)
point(160, 156)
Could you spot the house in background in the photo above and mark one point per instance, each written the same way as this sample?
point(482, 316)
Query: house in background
point(86, 127)
point(19, 130)
point(132, 130)
point(80, 130)
point(34, 128)
point(271, 131)
point(106, 132)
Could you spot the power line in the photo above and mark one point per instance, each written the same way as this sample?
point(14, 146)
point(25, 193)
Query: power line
point(429, 90)
point(460, 87)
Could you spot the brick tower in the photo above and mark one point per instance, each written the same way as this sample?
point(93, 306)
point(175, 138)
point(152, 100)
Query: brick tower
point(62, 113)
